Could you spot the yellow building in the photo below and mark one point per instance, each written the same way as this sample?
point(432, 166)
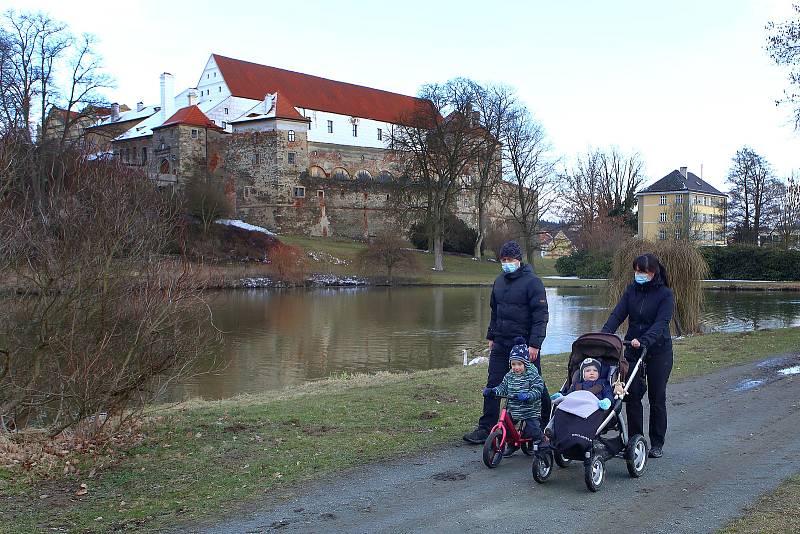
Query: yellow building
point(682, 206)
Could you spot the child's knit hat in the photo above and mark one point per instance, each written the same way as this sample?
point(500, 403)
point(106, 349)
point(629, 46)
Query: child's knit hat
point(590, 362)
point(519, 351)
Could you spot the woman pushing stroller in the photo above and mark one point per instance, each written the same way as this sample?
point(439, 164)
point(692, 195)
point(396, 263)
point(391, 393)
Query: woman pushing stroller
point(648, 304)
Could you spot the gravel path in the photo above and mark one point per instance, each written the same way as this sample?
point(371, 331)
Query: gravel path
point(732, 436)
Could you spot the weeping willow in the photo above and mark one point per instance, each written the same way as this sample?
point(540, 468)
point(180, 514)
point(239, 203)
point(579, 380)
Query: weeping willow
point(686, 269)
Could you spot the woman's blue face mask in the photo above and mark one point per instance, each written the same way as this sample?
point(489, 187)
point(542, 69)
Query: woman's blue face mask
point(641, 278)
point(510, 267)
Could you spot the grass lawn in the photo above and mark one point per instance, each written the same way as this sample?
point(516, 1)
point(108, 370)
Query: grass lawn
point(776, 511)
point(202, 458)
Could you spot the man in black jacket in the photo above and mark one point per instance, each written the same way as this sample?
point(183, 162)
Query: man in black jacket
point(519, 308)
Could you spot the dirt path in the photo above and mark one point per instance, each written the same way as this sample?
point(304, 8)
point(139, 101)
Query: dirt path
point(732, 436)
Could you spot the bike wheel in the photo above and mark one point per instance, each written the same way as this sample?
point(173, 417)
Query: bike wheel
point(542, 466)
point(493, 449)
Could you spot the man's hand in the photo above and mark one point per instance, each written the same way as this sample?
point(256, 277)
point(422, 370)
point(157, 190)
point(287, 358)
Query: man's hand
point(533, 353)
point(491, 345)
point(635, 343)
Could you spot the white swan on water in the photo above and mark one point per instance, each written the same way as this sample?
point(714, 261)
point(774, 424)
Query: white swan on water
point(474, 361)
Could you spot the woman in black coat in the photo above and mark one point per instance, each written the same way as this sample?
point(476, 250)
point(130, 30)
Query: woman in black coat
point(648, 304)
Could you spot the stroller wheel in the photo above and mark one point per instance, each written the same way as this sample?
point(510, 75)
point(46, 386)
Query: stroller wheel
point(636, 455)
point(561, 461)
point(594, 471)
point(493, 449)
point(542, 466)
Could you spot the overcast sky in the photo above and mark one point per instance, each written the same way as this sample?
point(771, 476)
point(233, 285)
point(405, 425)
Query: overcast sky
point(684, 83)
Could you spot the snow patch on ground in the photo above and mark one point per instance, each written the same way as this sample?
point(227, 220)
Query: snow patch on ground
point(333, 280)
point(244, 226)
point(324, 257)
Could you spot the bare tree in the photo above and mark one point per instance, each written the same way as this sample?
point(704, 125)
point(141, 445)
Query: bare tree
point(97, 322)
point(620, 178)
point(389, 251)
point(530, 184)
point(754, 193)
point(783, 46)
point(788, 217)
point(436, 146)
point(493, 107)
point(581, 202)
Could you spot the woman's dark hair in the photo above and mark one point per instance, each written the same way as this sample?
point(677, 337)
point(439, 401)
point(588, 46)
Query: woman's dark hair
point(648, 263)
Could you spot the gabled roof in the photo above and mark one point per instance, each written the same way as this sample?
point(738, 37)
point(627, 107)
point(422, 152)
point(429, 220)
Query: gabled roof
point(251, 80)
point(190, 115)
point(675, 181)
point(273, 106)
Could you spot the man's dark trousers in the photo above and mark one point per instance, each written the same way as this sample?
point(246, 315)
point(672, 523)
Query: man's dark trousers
point(498, 367)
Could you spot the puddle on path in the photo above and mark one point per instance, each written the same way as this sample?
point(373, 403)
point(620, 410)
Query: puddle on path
point(769, 371)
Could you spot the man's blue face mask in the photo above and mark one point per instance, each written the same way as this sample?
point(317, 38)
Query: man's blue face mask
point(509, 267)
point(641, 278)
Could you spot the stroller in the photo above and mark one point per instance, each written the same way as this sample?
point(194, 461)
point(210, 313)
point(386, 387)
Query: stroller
point(582, 432)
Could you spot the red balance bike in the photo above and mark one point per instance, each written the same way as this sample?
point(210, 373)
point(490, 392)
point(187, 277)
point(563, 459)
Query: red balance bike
point(504, 439)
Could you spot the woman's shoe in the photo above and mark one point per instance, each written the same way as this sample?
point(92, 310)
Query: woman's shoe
point(655, 452)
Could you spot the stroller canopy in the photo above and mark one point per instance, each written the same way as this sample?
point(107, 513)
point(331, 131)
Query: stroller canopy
point(607, 348)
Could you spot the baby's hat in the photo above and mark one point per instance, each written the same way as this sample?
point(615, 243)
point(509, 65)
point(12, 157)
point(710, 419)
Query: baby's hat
point(591, 362)
point(519, 351)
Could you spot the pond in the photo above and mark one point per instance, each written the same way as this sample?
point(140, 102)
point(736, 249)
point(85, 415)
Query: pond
point(278, 338)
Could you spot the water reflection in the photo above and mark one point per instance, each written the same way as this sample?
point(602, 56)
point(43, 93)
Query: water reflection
point(285, 337)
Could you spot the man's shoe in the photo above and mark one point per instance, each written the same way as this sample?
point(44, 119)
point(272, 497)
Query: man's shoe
point(477, 436)
point(655, 452)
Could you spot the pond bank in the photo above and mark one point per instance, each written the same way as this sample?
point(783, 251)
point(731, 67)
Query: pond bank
point(199, 459)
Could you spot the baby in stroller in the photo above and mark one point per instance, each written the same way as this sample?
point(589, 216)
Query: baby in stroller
point(588, 378)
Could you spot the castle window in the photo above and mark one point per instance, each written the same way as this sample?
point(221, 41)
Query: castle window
point(291, 136)
point(662, 217)
point(363, 175)
point(677, 234)
point(144, 154)
point(663, 200)
point(320, 193)
point(194, 133)
point(316, 172)
point(340, 173)
point(256, 159)
point(290, 158)
point(224, 124)
point(226, 111)
point(678, 199)
point(330, 126)
point(299, 192)
point(355, 130)
point(219, 89)
point(380, 134)
point(662, 235)
point(163, 168)
point(678, 216)
point(249, 191)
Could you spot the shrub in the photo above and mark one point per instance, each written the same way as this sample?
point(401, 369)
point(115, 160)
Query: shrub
point(388, 251)
point(749, 262)
point(288, 262)
point(585, 264)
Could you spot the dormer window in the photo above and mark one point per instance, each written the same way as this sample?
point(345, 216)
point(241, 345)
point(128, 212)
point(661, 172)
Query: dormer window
point(291, 136)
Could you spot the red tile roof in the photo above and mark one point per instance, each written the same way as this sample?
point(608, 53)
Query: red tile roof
point(251, 80)
point(284, 109)
point(190, 115)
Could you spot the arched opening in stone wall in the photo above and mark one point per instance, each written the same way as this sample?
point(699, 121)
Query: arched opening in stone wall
point(340, 173)
point(316, 172)
point(363, 175)
point(385, 176)
point(164, 167)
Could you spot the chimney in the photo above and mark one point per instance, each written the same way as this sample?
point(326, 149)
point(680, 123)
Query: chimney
point(167, 96)
point(139, 106)
point(115, 112)
point(683, 171)
point(191, 97)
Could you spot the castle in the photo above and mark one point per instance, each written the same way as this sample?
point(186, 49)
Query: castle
point(298, 153)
